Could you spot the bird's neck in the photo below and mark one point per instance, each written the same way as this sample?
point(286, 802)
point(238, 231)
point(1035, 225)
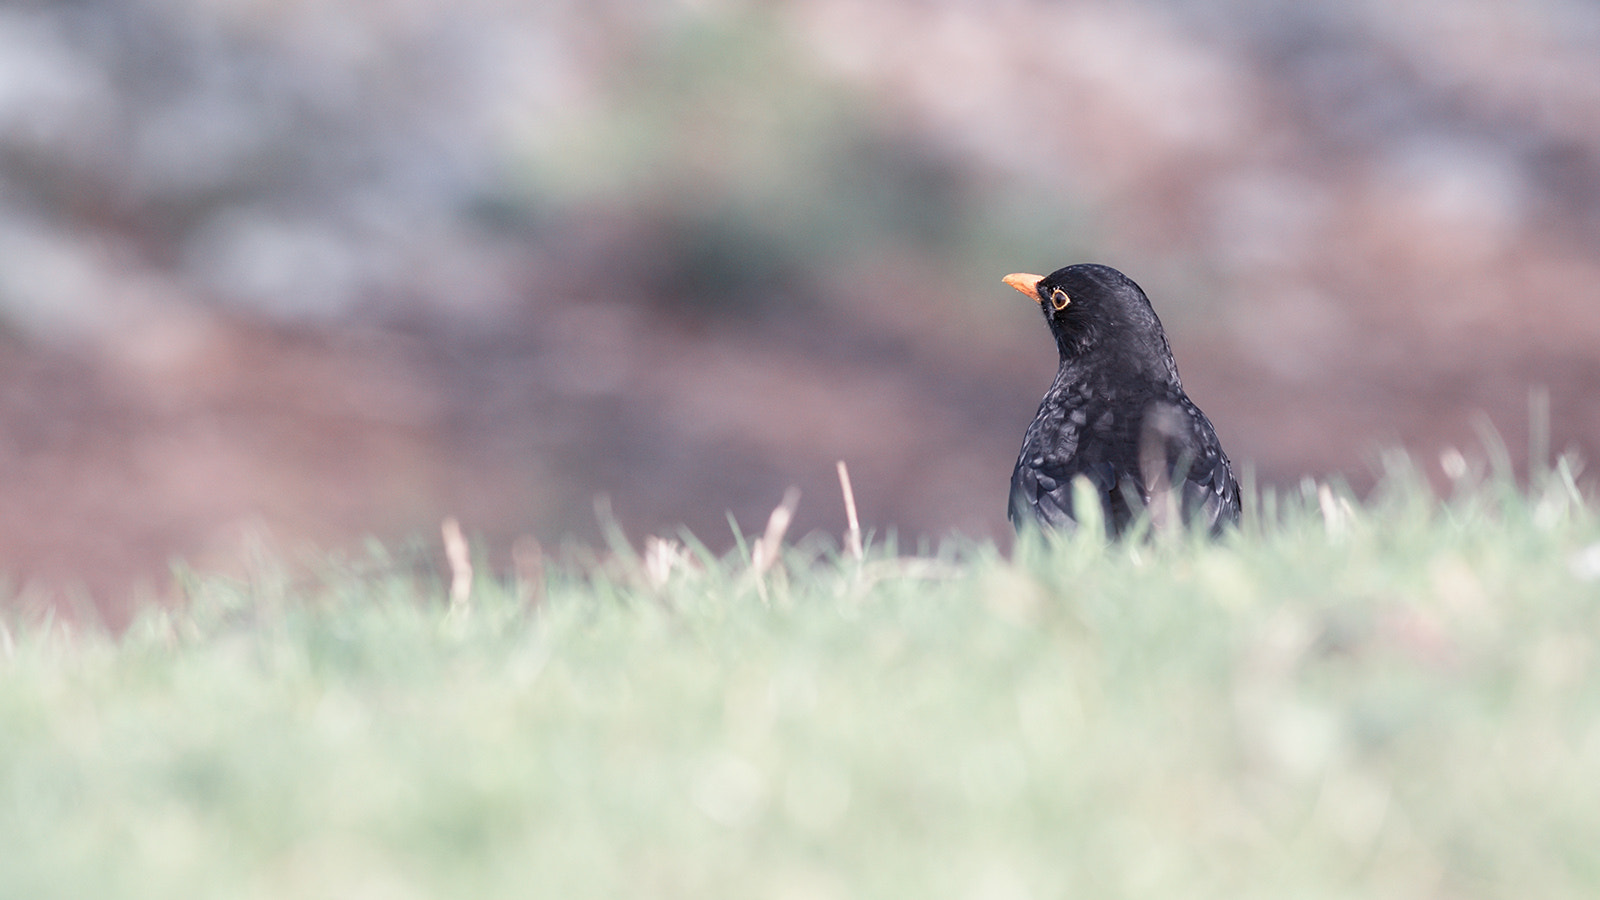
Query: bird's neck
point(1130, 361)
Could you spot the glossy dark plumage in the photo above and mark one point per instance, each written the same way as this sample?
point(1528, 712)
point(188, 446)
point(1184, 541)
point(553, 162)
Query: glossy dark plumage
point(1116, 414)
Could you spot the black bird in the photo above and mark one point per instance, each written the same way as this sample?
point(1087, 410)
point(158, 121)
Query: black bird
point(1115, 415)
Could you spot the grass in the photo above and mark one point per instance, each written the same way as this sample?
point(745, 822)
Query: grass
point(1399, 698)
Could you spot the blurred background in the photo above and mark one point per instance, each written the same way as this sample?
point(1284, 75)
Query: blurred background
point(292, 274)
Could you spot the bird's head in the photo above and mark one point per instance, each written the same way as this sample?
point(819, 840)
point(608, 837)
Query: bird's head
point(1094, 309)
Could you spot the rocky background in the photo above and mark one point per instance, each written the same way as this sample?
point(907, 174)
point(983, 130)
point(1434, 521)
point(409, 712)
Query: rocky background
point(279, 276)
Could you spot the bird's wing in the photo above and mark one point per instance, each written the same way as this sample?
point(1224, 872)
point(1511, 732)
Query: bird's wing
point(1043, 495)
point(1208, 492)
point(1063, 445)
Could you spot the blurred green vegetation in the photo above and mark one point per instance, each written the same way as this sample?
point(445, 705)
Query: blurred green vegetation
point(1399, 699)
point(757, 170)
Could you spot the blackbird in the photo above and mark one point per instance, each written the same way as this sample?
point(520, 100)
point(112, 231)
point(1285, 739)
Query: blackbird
point(1116, 415)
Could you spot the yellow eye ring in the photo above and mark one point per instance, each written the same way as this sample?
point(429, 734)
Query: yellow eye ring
point(1059, 299)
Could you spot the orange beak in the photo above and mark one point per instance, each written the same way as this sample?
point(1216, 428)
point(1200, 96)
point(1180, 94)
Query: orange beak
point(1027, 284)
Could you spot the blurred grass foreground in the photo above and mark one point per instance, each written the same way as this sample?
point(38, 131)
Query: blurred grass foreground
point(1396, 698)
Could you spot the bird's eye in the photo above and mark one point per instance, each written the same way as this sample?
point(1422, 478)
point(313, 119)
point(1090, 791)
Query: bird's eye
point(1058, 299)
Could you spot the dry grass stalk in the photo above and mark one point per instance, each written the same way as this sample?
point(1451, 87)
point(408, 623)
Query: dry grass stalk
point(662, 557)
point(767, 547)
point(1161, 426)
point(852, 538)
point(460, 559)
point(1336, 511)
point(527, 560)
